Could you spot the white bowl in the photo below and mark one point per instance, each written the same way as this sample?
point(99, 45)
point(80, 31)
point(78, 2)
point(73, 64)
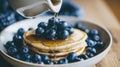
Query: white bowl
point(7, 34)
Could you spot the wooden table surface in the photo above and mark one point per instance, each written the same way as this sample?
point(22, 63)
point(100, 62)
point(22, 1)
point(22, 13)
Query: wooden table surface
point(99, 12)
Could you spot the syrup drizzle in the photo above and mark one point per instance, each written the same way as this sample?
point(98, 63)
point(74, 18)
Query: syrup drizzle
point(54, 50)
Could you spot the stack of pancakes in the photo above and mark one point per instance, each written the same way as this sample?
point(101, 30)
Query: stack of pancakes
point(57, 49)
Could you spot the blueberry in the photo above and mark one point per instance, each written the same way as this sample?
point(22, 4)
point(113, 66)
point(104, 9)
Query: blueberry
point(4, 6)
point(17, 38)
point(37, 58)
point(100, 44)
point(91, 49)
point(70, 30)
point(9, 44)
point(44, 58)
point(12, 50)
point(63, 34)
point(50, 34)
point(30, 28)
point(96, 38)
point(55, 62)
point(77, 59)
point(21, 31)
point(87, 31)
point(84, 56)
point(71, 57)
point(80, 26)
point(42, 24)
point(63, 61)
point(26, 56)
point(39, 31)
point(53, 27)
point(89, 54)
point(49, 62)
point(6, 19)
point(94, 32)
point(62, 25)
point(17, 56)
point(24, 49)
point(91, 43)
point(51, 22)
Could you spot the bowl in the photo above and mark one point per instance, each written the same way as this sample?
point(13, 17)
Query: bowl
point(7, 34)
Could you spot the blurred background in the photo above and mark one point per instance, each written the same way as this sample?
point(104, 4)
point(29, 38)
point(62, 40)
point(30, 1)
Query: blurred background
point(69, 8)
point(107, 12)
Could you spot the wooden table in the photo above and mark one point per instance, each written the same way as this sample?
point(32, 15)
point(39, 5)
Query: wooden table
point(99, 12)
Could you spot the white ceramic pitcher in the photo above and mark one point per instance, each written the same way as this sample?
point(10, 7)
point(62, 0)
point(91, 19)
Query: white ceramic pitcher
point(31, 8)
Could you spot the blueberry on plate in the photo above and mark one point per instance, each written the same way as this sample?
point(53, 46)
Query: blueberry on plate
point(84, 56)
point(49, 62)
point(26, 56)
point(94, 32)
point(42, 24)
point(90, 43)
point(77, 59)
point(99, 46)
point(91, 49)
point(71, 57)
point(63, 34)
point(80, 26)
point(24, 49)
point(17, 38)
point(17, 56)
point(55, 62)
point(63, 61)
point(9, 44)
point(62, 25)
point(89, 54)
point(39, 31)
point(96, 37)
point(44, 58)
point(87, 31)
point(50, 34)
point(100, 43)
point(30, 29)
point(12, 50)
point(21, 31)
point(37, 58)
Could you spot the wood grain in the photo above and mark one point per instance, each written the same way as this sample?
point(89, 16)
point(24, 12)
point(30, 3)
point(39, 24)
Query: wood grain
point(97, 11)
point(115, 7)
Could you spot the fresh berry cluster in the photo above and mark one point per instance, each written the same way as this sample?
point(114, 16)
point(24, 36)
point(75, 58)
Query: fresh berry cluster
point(19, 50)
point(7, 15)
point(54, 29)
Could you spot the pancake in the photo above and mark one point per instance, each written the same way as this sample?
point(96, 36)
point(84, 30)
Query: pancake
point(57, 49)
point(79, 52)
point(60, 53)
point(77, 46)
point(43, 44)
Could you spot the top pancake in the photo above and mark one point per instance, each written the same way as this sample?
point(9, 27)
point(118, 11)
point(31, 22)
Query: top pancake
point(40, 43)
